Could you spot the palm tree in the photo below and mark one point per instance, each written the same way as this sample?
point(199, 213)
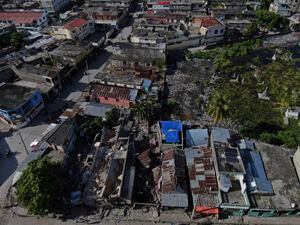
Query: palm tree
point(144, 110)
point(218, 107)
point(282, 105)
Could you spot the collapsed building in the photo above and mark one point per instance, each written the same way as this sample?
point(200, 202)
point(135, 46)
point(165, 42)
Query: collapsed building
point(113, 170)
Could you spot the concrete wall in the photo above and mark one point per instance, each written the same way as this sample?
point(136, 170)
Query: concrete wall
point(192, 42)
point(112, 101)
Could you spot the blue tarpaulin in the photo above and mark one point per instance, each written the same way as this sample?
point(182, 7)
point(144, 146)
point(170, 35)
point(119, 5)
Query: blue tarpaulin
point(170, 130)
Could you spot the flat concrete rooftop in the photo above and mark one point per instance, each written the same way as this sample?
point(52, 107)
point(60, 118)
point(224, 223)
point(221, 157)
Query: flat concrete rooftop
point(282, 174)
point(13, 96)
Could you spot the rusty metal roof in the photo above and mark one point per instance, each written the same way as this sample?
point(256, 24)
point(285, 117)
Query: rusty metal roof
point(113, 92)
point(174, 188)
point(203, 183)
point(173, 164)
point(156, 173)
point(144, 157)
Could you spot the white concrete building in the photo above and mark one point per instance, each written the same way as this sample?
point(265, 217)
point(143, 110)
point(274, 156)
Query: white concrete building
point(77, 29)
point(211, 28)
point(281, 8)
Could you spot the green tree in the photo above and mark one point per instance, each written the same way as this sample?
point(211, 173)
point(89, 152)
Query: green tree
point(160, 63)
point(271, 20)
point(112, 117)
point(40, 187)
point(218, 107)
point(290, 137)
point(251, 30)
point(92, 125)
point(16, 40)
point(145, 110)
point(266, 3)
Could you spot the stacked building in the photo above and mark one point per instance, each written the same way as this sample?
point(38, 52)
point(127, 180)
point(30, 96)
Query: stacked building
point(226, 175)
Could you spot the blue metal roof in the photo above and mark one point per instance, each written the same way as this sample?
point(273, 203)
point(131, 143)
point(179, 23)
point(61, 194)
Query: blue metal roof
point(171, 130)
point(256, 178)
point(220, 134)
point(246, 144)
point(133, 94)
point(146, 83)
point(197, 137)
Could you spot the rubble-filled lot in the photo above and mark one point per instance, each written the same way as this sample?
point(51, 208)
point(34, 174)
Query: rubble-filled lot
point(189, 86)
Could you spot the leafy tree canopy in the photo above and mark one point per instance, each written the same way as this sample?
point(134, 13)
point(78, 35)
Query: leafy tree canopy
point(16, 39)
point(40, 187)
point(271, 20)
point(251, 30)
point(146, 110)
point(92, 125)
point(112, 117)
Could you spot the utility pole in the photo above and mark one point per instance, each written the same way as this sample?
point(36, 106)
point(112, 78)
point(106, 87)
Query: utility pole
point(19, 133)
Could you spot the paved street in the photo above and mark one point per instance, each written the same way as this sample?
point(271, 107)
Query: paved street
point(143, 220)
point(70, 94)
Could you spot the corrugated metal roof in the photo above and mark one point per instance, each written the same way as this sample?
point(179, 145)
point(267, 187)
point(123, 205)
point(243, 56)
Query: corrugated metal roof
point(173, 191)
point(174, 200)
point(144, 157)
point(246, 144)
point(256, 178)
point(220, 134)
point(133, 94)
point(196, 137)
point(114, 92)
point(202, 176)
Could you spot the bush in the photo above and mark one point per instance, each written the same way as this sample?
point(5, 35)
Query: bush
point(251, 30)
point(269, 138)
point(160, 63)
point(290, 137)
point(222, 56)
point(271, 20)
point(16, 39)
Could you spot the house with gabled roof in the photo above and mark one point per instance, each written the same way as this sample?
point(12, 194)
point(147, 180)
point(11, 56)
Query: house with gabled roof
point(210, 27)
point(76, 29)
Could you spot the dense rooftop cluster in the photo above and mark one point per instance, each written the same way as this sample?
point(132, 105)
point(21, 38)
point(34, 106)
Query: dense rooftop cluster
point(151, 107)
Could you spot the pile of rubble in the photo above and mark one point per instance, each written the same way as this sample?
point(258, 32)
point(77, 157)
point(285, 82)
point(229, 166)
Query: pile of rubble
point(188, 86)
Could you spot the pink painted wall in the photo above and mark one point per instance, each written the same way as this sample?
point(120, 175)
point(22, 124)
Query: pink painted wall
point(112, 101)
